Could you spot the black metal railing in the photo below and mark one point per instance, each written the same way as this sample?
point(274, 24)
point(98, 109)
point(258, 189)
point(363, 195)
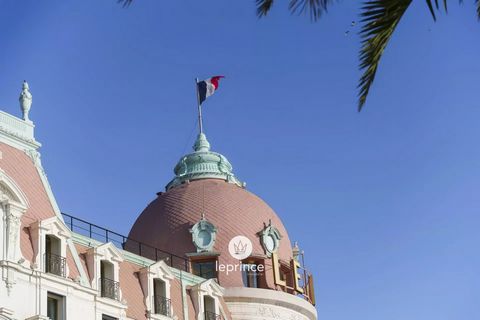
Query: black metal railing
point(162, 305)
point(212, 316)
point(55, 264)
point(120, 241)
point(109, 288)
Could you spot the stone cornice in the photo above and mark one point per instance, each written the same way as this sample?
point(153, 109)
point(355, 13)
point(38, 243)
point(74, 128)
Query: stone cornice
point(18, 133)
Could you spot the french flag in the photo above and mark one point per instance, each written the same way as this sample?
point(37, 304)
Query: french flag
point(207, 87)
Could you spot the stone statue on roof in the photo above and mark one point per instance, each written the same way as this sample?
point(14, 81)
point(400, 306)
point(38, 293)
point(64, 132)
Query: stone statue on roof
point(25, 100)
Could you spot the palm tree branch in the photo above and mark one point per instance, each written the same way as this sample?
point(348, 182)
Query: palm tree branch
point(432, 10)
point(315, 8)
point(125, 3)
point(263, 7)
point(379, 19)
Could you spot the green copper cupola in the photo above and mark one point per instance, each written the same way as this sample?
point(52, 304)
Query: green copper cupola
point(203, 164)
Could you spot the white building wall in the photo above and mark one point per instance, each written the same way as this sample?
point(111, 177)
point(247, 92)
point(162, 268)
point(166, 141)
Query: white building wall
point(27, 298)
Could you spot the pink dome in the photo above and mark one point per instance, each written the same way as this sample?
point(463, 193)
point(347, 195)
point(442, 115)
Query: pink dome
point(166, 221)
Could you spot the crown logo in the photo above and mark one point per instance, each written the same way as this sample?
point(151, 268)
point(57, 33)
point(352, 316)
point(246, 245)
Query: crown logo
point(240, 248)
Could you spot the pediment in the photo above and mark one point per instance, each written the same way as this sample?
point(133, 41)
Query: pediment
point(53, 225)
point(211, 287)
point(108, 251)
point(159, 269)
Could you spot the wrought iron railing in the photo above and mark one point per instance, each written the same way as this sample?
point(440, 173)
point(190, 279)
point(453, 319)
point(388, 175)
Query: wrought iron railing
point(120, 241)
point(162, 305)
point(109, 288)
point(212, 316)
point(55, 264)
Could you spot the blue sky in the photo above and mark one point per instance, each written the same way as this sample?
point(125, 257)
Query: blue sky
point(384, 202)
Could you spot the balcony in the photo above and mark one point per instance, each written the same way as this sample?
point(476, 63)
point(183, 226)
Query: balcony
point(212, 316)
point(162, 306)
point(110, 289)
point(55, 264)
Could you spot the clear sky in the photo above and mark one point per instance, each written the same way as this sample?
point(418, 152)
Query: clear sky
point(385, 202)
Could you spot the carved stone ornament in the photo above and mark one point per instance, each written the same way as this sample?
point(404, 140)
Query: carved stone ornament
point(270, 238)
point(13, 229)
point(203, 235)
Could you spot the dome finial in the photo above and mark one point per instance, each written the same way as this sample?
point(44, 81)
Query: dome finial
point(203, 164)
point(201, 144)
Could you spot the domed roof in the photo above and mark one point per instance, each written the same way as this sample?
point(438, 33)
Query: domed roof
point(205, 188)
point(166, 222)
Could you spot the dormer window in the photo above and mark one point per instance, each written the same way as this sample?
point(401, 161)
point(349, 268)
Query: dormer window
point(49, 238)
point(155, 281)
point(205, 297)
point(55, 263)
point(104, 263)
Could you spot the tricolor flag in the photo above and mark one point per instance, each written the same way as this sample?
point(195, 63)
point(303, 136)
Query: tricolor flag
point(207, 87)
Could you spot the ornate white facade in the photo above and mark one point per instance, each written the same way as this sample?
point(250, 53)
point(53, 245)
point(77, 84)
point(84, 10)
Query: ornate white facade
point(48, 269)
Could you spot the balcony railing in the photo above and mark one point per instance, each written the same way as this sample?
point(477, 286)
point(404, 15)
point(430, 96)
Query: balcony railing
point(123, 242)
point(162, 306)
point(110, 289)
point(55, 264)
point(212, 316)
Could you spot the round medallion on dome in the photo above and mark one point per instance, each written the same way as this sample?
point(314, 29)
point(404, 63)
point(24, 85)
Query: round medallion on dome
point(203, 235)
point(270, 237)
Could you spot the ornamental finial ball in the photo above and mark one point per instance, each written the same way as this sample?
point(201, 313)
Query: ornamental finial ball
point(296, 251)
point(25, 100)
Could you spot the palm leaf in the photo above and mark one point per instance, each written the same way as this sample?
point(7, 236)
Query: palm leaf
point(263, 7)
point(125, 3)
point(430, 7)
point(315, 8)
point(379, 19)
point(477, 2)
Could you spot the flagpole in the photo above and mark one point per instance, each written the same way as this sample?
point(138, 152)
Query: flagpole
point(200, 120)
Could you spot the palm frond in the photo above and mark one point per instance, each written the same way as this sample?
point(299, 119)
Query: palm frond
point(437, 7)
point(315, 8)
point(432, 10)
point(477, 3)
point(125, 3)
point(379, 19)
point(263, 7)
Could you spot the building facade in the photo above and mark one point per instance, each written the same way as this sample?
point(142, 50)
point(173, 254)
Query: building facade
point(205, 249)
